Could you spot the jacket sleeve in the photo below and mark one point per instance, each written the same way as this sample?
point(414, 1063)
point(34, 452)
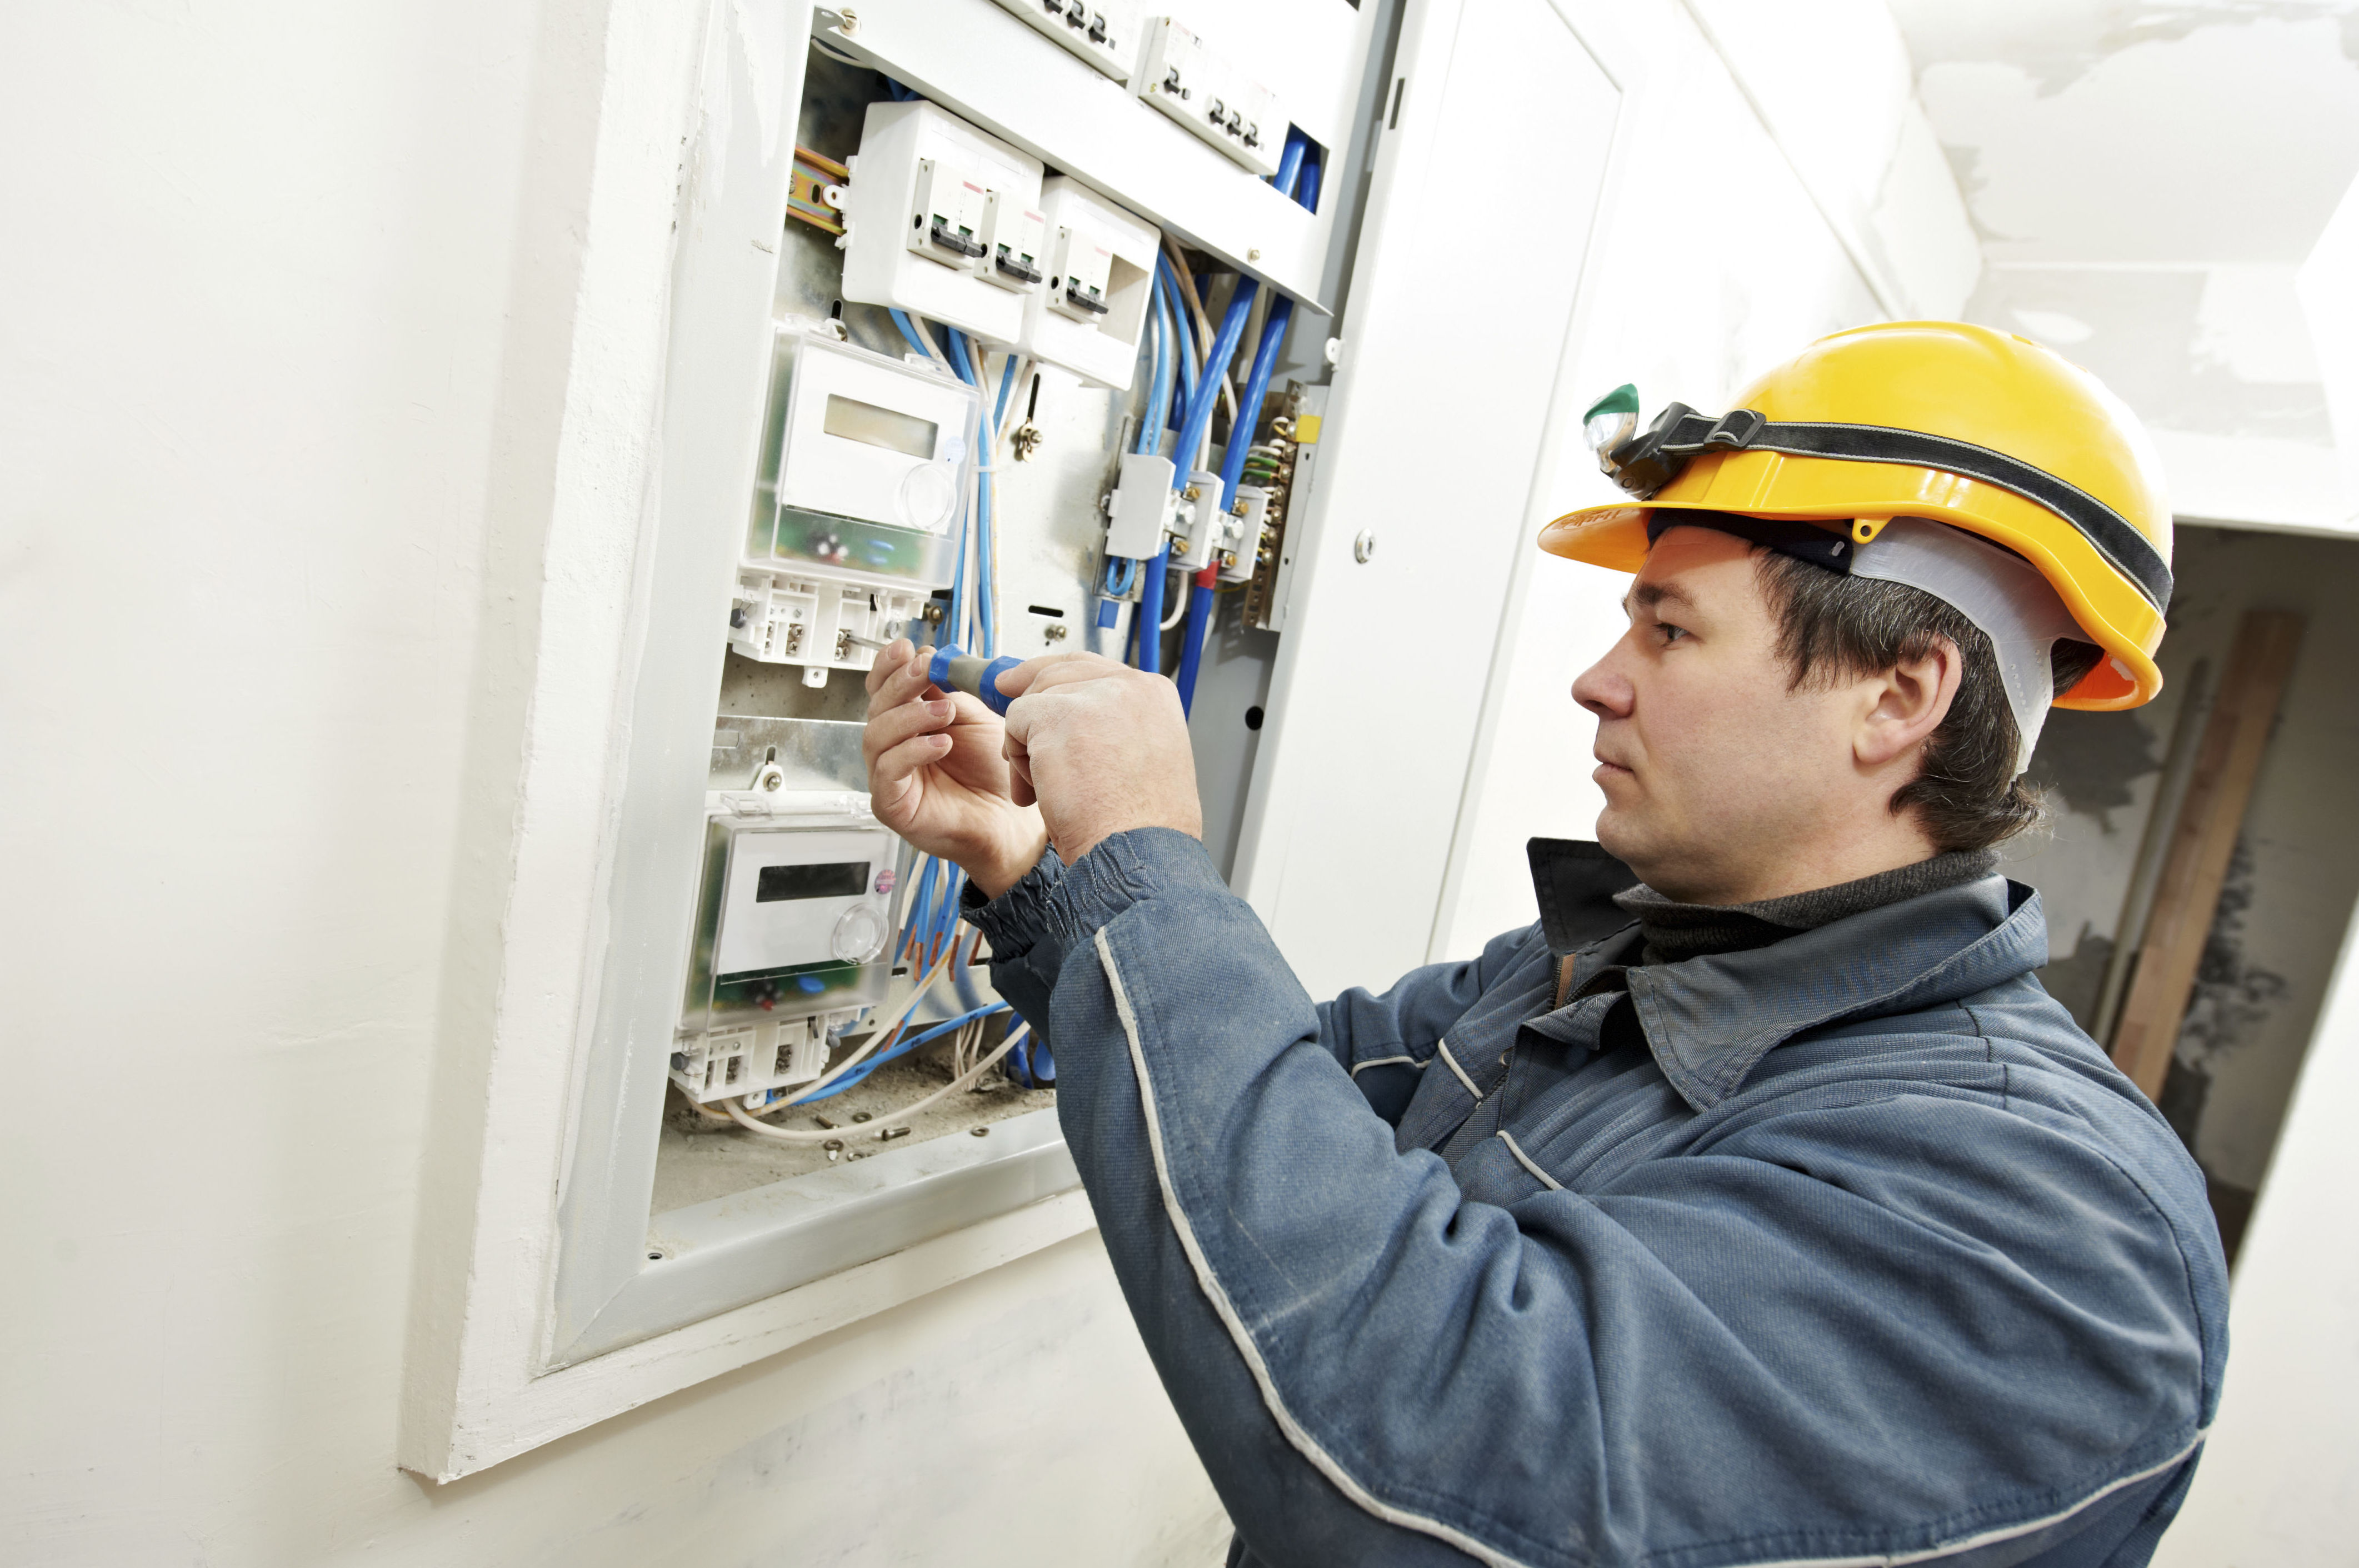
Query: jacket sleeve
point(1707, 1363)
point(1384, 1041)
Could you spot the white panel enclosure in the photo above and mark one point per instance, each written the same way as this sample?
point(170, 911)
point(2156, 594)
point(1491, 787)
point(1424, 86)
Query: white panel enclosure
point(1430, 451)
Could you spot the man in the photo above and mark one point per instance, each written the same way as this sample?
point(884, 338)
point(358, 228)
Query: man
point(1765, 1211)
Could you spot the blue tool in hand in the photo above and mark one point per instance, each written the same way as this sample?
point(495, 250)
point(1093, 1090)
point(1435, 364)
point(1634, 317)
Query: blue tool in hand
point(955, 670)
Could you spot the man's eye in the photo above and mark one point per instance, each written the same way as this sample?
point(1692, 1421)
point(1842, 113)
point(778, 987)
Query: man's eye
point(1670, 633)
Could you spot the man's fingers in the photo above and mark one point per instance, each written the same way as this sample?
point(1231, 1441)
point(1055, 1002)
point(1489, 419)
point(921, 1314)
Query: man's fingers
point(889, 662)
point(892, 775)
point(1019, 777)
point(890, 727)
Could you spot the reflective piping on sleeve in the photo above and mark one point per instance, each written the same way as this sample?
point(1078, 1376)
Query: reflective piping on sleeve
point(1441, 1049)
point(1358, 1068)
point(1989, 1536)
point(1550, 1183)
point(1320, 1460)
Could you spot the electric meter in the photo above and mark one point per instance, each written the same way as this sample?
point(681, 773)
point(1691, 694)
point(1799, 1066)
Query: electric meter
point(869, 464)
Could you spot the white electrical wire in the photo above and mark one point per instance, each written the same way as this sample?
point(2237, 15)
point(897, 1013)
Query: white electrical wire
point(797, 1135)
point(1179, 600)
point(924, 336)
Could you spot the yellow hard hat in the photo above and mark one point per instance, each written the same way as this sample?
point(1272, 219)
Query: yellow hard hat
point(1981, 430)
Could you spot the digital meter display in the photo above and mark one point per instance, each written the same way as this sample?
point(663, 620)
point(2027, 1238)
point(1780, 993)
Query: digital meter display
point(836, 879)
point(873, 426)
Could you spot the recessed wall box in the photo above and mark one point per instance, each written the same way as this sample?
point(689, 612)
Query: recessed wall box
point(1100, 283)
point(1103, 32)
point(864, 467)
point(1212, 98)
point(793, 919)
point(926, 189)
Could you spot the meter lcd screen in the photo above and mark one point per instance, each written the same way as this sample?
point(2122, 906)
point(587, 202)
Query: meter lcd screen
point(873, 426)
point(839, 879)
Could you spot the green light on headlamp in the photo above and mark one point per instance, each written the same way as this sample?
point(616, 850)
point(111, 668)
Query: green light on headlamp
point(1611, 421)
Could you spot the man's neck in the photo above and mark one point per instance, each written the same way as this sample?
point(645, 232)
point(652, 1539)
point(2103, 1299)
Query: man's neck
point(1827, 864)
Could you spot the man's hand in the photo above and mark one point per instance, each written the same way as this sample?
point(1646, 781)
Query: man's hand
point(1102, 747)
point(936, 775)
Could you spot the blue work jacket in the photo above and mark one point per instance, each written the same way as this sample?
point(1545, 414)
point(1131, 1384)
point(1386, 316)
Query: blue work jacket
point(1852, 1249)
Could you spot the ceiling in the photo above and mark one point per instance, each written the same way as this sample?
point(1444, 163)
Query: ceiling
point(2142, 131)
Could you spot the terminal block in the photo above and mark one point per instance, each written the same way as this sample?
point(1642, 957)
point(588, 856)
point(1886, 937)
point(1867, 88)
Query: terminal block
point(1142, 511)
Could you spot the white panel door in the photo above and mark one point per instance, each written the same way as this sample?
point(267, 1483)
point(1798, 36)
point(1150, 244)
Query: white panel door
point(1498, 127)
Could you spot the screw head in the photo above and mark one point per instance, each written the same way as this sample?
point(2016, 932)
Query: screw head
point(1364, 547)
point(1254, 254)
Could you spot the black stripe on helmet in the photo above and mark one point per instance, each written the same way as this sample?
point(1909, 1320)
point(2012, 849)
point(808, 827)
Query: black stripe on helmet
point(1681, 433)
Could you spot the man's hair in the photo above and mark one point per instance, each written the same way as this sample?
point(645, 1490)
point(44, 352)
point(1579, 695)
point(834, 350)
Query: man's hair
point(1834, 627)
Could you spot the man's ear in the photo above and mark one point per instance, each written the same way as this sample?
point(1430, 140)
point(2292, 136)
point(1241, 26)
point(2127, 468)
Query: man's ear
point(1908, 704)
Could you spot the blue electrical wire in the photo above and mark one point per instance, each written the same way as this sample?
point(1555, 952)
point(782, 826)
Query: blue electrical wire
point(910, 332)
point(1158, 389)
point(1184, 340)
point(1151, 612)
point(903, 1049)
point(1290, 172)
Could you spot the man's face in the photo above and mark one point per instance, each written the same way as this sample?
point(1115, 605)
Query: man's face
point(1713, 768)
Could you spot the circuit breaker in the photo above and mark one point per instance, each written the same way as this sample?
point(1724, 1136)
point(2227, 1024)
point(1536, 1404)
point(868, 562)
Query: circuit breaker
point(869, 462)
point(1101, 282)
point(1103, 32)
point(942, 221)
point(1190, 81)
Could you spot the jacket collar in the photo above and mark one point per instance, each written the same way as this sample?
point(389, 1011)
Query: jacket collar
point(1710, 1020)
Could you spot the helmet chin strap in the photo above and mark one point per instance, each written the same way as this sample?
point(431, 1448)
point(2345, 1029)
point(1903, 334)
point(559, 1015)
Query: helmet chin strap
point(2001, 592)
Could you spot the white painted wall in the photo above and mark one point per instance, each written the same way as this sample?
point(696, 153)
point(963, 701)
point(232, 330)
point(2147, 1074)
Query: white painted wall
point(290, 290)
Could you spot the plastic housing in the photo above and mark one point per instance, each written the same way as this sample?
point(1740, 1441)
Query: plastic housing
point(1211, 97)
point(931, 201)
point(866, 466)
point(1100, 286)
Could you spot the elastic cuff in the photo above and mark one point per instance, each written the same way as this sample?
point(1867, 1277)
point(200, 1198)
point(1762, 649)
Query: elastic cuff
point(1121, 871)
point(1012, 921)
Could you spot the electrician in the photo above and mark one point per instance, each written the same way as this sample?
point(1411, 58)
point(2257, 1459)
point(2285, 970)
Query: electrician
point(1755, 1206)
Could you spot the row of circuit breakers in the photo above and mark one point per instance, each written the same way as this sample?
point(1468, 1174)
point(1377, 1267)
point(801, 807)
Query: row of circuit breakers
point(867, 464)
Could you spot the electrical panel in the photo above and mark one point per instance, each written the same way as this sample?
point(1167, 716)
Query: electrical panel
point(1103, 32)
point(942, 221)
point(1100, 283)
point(869, 462)
point(983, 461)
point(1179, 75)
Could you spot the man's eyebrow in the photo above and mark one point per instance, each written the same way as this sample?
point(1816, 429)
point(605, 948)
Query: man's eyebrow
point(1650, 595)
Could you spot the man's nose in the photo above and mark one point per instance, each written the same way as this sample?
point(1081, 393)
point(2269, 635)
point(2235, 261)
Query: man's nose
point(1603, 689)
